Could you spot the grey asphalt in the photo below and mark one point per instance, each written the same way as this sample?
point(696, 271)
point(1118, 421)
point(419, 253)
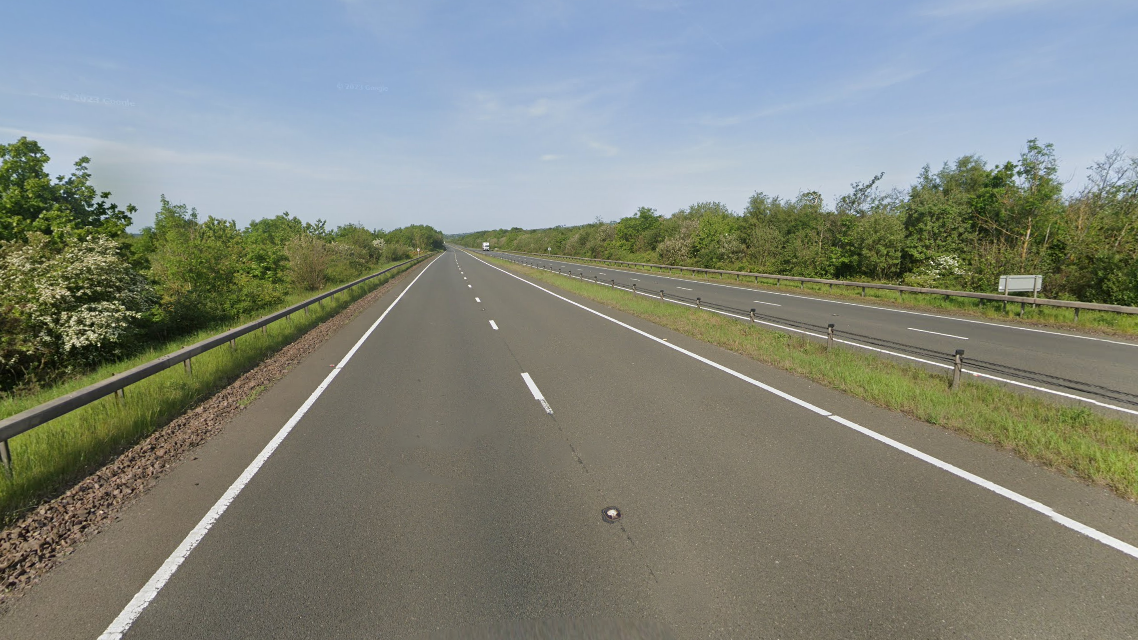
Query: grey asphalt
point(428, 494)
point(1086, 359)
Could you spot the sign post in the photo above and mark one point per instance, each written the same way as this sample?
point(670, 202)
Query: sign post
point(1021, 284)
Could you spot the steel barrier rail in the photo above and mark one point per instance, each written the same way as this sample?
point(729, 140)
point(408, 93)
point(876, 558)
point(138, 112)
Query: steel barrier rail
point(1048, 302)
point(900, 348)
point(31, 418)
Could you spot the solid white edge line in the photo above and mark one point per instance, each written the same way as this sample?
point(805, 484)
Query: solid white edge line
point(1065, 521)
point(536, 393)
point(870, 306)
point(937, 333)
point(149, 591)
point(495, 326)
point(989, 376)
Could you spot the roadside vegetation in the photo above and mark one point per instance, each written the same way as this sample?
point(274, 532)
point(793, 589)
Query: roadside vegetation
point(81, 299)
point(958, 227)
point(1070, 439)
point(53, 456)
point(1101, 322)
point(78, 291)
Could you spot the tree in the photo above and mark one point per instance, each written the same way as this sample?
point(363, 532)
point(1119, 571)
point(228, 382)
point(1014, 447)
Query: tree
point(31, 203)
point(77, 303)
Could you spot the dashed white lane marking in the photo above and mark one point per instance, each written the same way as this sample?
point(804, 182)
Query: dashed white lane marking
point(937, 333)
point(684, 288)
point(636, 279)
point(469, 286)
point(773, 304)
point(1070, 523)
point(987, 376)
point(537, 393)
point(464, 277)
point(493, 325)
point(889, 309)
point(476, 299)
point(150, 590)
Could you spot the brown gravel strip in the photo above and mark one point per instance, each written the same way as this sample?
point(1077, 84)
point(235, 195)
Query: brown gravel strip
point(30, 547)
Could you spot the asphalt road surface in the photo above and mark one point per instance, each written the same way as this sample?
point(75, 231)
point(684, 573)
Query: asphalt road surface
point(1101, 369)
point(431, 490)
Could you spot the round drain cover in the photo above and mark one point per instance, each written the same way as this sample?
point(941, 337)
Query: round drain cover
point(610, 514)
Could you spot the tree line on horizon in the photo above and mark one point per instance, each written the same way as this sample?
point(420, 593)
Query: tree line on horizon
point(76, 289)
point(957, 227)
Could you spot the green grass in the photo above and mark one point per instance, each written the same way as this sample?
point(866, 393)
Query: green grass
point(13, 403)
point(1072, 440)
point(1102, 322)
point(56, 454)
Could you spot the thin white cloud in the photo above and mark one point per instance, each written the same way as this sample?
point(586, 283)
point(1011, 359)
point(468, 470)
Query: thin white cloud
point(876, 81)
point(550, 157)
point(109, 151)
point(970, 8)
point(603, 149)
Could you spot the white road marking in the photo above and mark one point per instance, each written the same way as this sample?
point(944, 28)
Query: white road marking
point(537, 393)
point(464, 277)
point(150, 590)
point(892, 310)
point(937, 333)
point(476, 299)
point(636, 279)
point(1018, 498)
point(493, 325)
point(684, 288)
point(773, 304)
point(469, 287)
point(821, 336)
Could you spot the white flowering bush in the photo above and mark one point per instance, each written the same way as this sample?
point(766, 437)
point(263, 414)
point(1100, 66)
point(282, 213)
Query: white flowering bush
point(76, 303)
point(939, 271)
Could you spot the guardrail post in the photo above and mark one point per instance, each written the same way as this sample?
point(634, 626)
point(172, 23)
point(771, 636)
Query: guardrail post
point(1076, 314)
point(6, 457)
point(863, 292)
point(188, 365)
point(264, 330)
point(120, 395)
point(958, 357)
point(801, 284)
point(233, 344)
point(829, 336)
point(1021, 306)
point(752, 316)
point(831, 287)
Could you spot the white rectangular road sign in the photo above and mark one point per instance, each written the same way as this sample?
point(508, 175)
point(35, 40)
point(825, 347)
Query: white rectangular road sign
point(1021, 284)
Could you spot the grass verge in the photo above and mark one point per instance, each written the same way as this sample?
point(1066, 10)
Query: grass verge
point(56, 454)
point(1101, 322)
point(13, 403)
point(1072, 440)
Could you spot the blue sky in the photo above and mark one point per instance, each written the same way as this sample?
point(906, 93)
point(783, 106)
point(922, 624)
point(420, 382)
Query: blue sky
point(535, 113)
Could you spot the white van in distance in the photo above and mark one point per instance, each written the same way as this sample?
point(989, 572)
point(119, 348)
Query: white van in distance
point(485, 246)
